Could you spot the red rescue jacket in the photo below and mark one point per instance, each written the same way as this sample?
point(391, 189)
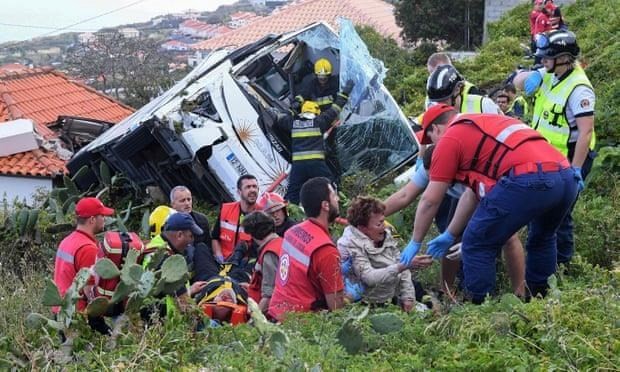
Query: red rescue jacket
point(115, 247)
point(231, 232)
point(506, 134)
point(293, 290)
point(65, 267)
point(254, 290)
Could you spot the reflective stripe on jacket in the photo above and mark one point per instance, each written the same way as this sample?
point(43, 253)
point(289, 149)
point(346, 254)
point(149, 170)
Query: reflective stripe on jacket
point(307, 140)
point(65, 267)
point(549, 116)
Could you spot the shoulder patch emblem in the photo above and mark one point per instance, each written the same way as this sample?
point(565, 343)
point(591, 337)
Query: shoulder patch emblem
point(585, 103)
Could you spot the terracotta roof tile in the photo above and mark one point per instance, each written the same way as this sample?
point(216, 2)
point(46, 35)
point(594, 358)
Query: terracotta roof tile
point(376, 13)
point(39, 162)
point(42, 94)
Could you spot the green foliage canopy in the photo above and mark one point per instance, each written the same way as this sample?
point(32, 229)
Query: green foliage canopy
point(458, 22)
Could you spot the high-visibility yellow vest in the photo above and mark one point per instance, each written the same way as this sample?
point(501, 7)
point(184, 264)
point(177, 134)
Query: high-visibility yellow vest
point(523, 102)
point(471, 104)
point(549, 116)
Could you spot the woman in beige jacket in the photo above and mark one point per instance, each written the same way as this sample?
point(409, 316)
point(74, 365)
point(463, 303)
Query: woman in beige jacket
point(375, 255)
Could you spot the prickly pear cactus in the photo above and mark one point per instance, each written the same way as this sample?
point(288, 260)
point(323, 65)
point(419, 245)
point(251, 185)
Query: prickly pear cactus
point(106, 269)
point(386, 323)
point(36, 320)
point(147, 281)
point(51, 296)
point(131, 274)
point(173, 269)
point(121, 292)
point(350, 337)
point(98, 307)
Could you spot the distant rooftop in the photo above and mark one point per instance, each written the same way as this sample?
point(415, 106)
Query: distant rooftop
point(375, 13)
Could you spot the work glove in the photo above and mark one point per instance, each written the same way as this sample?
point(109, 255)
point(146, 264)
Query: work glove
point(409, 252)
point(347, 88)
point(354, 290)
point(532, 83)
point(439, 246)
point(580, 184)
point(345, 265)
point(454, 253)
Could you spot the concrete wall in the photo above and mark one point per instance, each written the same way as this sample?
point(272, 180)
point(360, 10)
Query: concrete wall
point(22, 188)
point(494, 9)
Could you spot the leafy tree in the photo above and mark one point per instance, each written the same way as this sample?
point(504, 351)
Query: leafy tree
point(400, 62)
point(458, 22)
point(134, 70)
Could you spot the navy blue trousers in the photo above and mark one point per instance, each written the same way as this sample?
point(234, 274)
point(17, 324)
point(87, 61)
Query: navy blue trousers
point(302, 171)
point(538, 200)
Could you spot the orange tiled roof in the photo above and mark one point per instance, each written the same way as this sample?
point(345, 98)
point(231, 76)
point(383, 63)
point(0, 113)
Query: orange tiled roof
point(42, 94)
point(38, 162)
point(376, 13)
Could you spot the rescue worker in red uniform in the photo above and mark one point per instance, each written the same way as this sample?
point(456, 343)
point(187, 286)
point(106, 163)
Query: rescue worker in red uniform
point(515, 179)
point(309, 276)
point(79, 250)
point(262, 228)
point(228, 232)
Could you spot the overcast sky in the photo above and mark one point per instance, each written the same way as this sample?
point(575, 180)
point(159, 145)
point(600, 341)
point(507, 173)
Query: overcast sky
point(62, 13)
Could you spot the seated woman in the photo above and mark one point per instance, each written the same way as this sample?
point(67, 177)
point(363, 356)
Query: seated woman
point(375, 255)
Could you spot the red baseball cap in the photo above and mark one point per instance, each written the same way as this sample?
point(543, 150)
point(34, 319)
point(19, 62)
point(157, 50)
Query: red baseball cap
point(88, 207)
point(429, 116)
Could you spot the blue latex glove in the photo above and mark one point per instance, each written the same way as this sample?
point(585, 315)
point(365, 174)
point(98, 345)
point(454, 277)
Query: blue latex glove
point(532, 83)
point(409, 252)
point(580, 184)
point(354, 290)
point(439, 246)
point(345, 266)
point(419, 162)
point(219, 259)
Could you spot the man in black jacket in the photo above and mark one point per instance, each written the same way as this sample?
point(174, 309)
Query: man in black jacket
point(198, 254)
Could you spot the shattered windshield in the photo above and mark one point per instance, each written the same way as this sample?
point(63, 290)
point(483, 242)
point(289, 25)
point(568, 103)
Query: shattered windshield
point(374, 135)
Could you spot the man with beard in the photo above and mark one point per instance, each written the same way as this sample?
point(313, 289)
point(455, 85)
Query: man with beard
point(309, 276)
point(227, 232)
point(79, 250)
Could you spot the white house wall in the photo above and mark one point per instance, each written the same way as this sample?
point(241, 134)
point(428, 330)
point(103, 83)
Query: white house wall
point(22, 188)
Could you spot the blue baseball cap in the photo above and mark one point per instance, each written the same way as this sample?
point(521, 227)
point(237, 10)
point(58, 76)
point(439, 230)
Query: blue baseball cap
point(182, 221)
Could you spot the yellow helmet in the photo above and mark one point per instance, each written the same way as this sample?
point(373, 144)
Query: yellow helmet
point(158, 218)
point(310, 107)
point(322, 67)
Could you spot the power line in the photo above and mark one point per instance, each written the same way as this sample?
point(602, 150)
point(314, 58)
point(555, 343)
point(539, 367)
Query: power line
point(55, 30)
point(37, 27)
point(93, 18)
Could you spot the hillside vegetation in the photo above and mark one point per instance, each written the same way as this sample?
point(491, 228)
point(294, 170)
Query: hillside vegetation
point(576, 327)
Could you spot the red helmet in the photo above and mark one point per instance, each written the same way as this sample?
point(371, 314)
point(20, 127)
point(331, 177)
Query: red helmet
point(271, 202)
